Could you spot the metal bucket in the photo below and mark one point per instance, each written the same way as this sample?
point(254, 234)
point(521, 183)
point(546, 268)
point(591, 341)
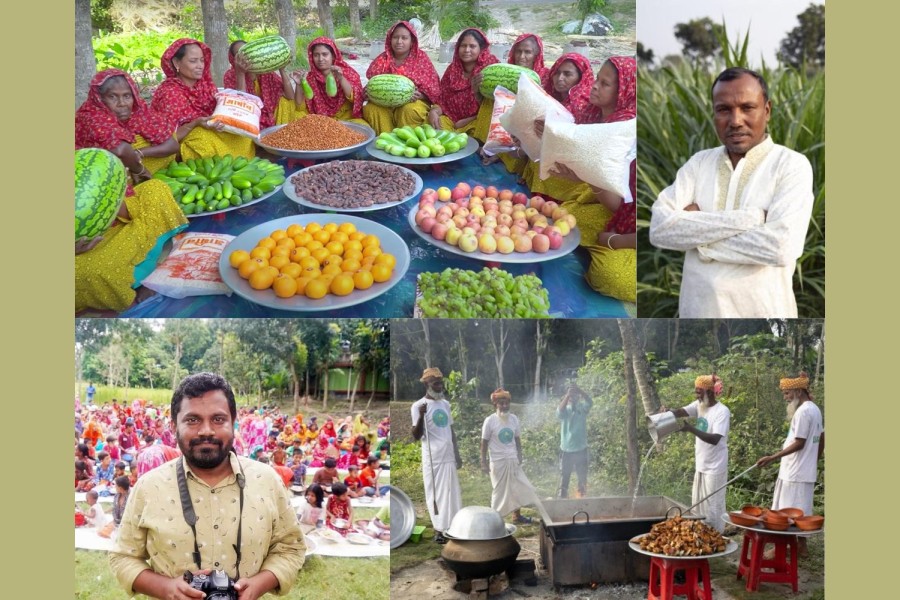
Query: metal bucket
point(662, 424)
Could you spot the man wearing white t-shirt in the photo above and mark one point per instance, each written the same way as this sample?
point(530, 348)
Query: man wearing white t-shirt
point(710, 447)
point(800, 452)
point(500, 435)
point(440, 453)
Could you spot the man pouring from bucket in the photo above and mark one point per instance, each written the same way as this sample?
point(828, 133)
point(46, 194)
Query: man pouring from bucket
point(710, 448)
point(440, 453)
point(801, 451)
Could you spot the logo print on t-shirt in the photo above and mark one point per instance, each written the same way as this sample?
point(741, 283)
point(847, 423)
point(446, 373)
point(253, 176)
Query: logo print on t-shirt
point(505, 435)
point(702, 424)
point(440, 417)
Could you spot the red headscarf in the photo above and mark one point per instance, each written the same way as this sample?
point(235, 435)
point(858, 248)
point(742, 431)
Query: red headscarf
point(270, 91)
point(417, 66)
point(626, 103)
point(538, 66)
point(178, 101)
point(96, 126)
point(320, 103)
point(578, 99)
point(458, 99)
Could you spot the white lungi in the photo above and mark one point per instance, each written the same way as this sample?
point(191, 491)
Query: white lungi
point(713, 507)
point(446, 490)
point(512, 490)
point(794, 494)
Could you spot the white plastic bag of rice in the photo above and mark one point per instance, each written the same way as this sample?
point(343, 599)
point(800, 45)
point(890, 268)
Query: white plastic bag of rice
point(238, 111)
point(498, 139)
point(192, 268)
point(532, 103)
point(600, 154)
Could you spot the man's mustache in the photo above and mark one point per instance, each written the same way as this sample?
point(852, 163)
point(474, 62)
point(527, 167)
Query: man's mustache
point(198, 441)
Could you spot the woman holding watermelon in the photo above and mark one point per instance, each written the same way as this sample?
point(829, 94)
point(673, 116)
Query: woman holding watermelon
point(273, 89)
point(402, 56)
point(460, 98)
point(188, 97)
point(325, 59)
point(527, 51)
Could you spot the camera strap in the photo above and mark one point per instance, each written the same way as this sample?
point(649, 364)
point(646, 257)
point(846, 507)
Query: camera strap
point(190, 517)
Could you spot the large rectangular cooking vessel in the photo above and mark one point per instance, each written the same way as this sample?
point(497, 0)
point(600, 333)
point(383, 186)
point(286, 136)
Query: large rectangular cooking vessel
point(585, 540)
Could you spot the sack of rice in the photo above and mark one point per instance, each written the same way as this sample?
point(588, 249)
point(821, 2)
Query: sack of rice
point(192, 268)
point(532, 103)
point(238, 111)
point(498, 139)
point(600, 154)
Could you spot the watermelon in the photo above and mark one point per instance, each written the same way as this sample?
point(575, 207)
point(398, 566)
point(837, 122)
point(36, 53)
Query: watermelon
point(100, 183)
point(506, 75)
point(390, 91)
point(264, 55)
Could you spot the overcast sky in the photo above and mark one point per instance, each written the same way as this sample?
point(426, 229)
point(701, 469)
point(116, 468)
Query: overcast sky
point(768, 21)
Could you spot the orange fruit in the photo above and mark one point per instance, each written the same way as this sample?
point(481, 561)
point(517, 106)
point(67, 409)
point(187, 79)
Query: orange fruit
point(311, 228)
point(281, 251)
point(320, 254)
point(347, 228)
point(353, 245)
point(368, 261)
point(366, 268)
point(357, 235)
point(330, 227)
point(362, 280)
point(292, 269)
point(350, 265)
point(298, 253)
point(314, 245)
point(293, 230)
point(237, 257)
point(261, 279)
point(302, 239)
point(285, 243)
point(308, 262)
point(301, 285)
point(266, 242)
point(248, 267)
point(315, 289)
point(372, 251)
point(260, 252)
point(322, 236)
point(386, 259)
point(381, 273)
point(272, 271)
point(340, 236)
point(312, 273)
point(279, 261)
point(278, 234)
point(332, 259)
point(326, 279)
point(353, 255)
point(341, 285)
point(371, 240)
point(285, 286)
point(332, 269)
point(335, 247)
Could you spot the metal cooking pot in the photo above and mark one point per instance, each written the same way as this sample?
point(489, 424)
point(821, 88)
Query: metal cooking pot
point(472, 559)
point(477, 523)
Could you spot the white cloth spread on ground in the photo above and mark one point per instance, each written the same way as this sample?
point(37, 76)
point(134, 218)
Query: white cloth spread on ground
point(711, 458)
point(714, 507)
point(794, 494)
point(438, 462)
point(741, 247)
point(86, 538)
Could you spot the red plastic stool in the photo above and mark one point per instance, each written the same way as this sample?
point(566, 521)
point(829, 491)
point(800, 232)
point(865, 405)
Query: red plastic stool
point(778, 569)
point(697, 585)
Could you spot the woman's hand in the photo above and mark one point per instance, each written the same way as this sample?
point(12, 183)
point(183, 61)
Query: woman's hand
point(86, 245)
point(338, 74)
point(434, 117)
point(539, 128)
point(208, 123)
point(298, 76)
point(417, 95)
point(561, 170)
point(476, 82)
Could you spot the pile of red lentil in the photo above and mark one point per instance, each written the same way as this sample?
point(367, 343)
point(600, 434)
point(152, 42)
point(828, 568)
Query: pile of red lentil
point(312, 133)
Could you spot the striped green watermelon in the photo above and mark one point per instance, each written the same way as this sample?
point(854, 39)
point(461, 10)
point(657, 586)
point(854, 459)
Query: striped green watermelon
point(264, 55)
point(506, 75)
point(100, 183)
point(390, 91)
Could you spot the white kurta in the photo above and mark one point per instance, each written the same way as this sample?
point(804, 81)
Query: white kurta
point(742, 246)
point(511, 488)
point(438, 462)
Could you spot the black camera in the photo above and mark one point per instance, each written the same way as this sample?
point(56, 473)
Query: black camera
point(217, 585)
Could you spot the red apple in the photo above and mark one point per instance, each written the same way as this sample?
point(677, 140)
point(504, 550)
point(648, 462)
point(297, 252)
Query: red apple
point(523, 243)
point(540, 243)
point(548, 208)
point(429, 194)
point(555, 238)
point(537, 202)
point(490, 191)
point(427, 224)
point(517, 230)
point(502, 230)
point(538, 229)
point(505, 219)
point(462, 211)
point(458, 194)
point(478, 191)
point(443, 217)
point(505, 195)
point(520, 198)
point(459, 221)
point(439, 231)
point(464, 186)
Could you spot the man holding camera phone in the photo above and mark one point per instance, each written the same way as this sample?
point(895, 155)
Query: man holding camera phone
point(208, 513)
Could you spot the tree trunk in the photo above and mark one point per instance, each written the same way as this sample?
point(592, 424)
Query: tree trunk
point(500, 350)
point(645, 384)
point(85, 62)
point(540, 345)
point(714, 328)
point(819, 353)
point(325, 18)
point(355, 28)
point(373, 9)
point(295, 387)
point(287, 23)
point(427, 333)
point(677, 323)
point(215, 35)
point(325, 391)
point(176, 363)
point(631, 438)
point(463, 363)
point(352, 388)
point(306, 393)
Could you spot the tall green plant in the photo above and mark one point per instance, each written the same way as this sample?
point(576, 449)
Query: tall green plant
point(675, 122)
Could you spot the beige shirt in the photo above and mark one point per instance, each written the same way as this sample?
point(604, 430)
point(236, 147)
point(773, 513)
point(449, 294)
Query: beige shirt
point(154, 534)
